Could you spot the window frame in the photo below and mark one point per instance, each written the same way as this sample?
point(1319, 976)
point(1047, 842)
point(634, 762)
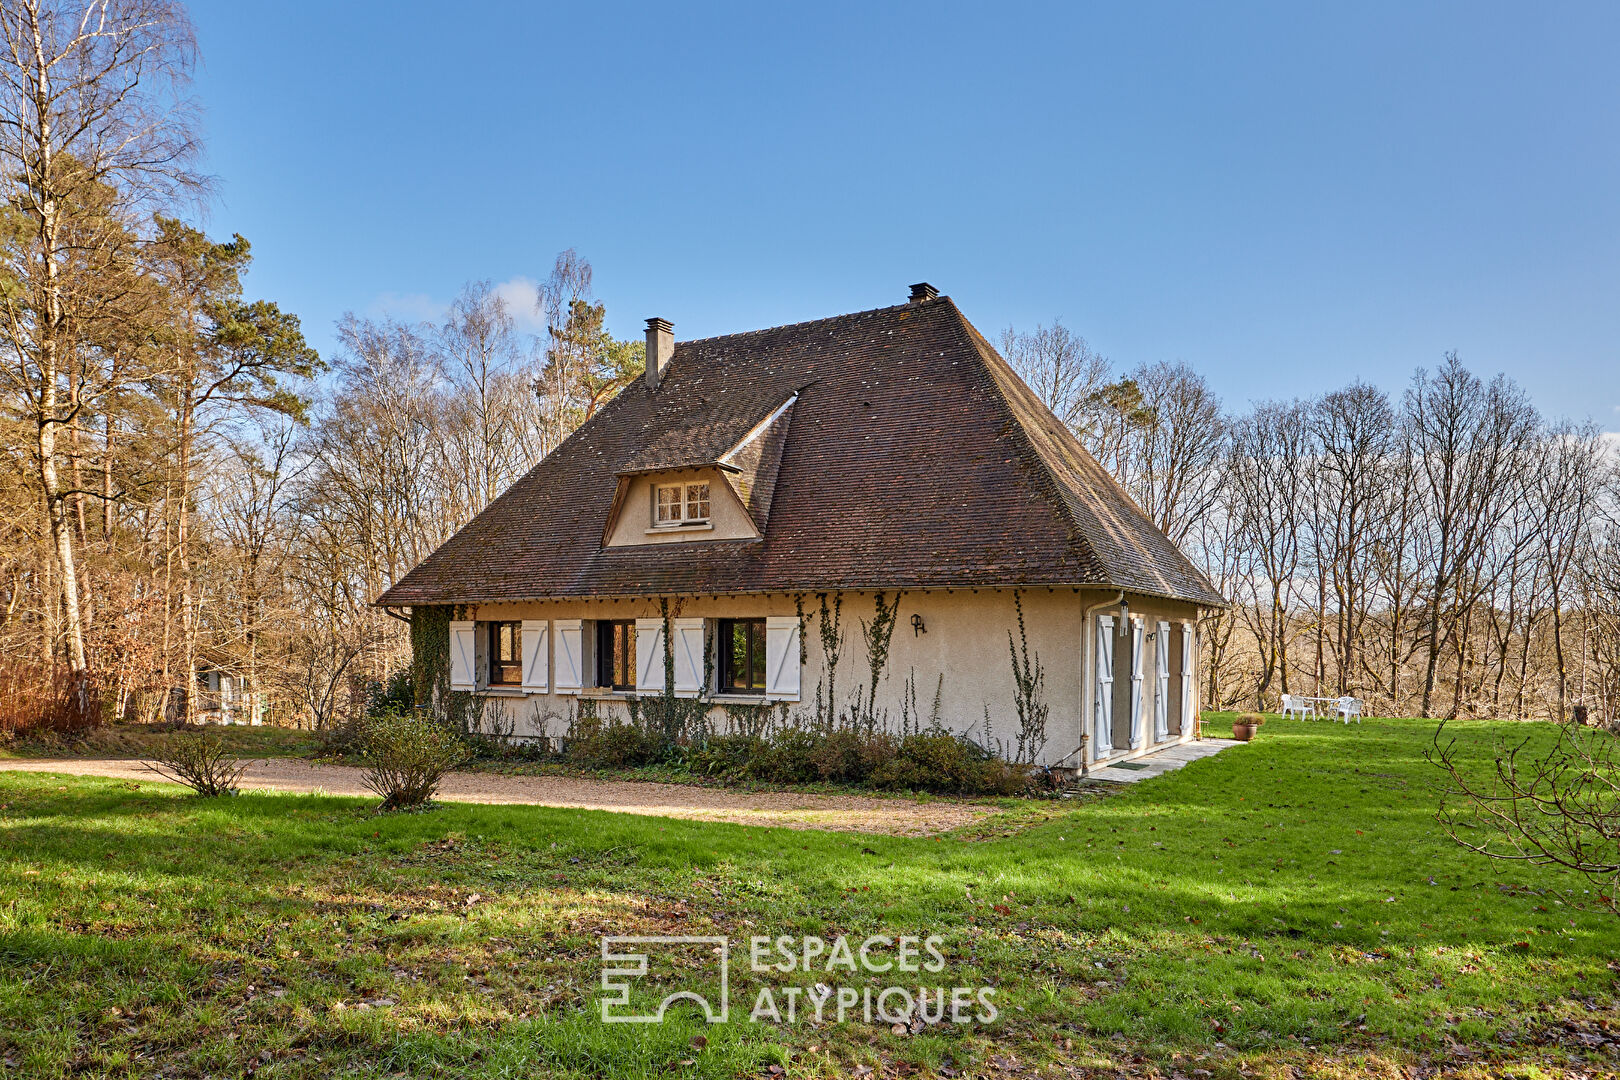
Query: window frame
point(690, 494)
point(755, 661)
point(606, 677)
point(507, 672)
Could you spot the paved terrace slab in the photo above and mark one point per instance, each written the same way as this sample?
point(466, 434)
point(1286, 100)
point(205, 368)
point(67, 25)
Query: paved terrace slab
point(1145, 768)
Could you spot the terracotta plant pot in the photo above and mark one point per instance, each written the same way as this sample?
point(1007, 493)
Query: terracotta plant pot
point(1244, 732)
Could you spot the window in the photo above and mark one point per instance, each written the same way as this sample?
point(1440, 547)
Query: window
point(505, 653)
point(616, 654)
point(682, 504)
point(742, 655)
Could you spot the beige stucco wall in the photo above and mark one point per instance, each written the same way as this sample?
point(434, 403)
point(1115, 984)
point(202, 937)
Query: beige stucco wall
point(728, 520)
point(961, 651)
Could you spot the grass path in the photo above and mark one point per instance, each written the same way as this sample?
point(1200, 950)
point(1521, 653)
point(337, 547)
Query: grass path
point(1287, 904)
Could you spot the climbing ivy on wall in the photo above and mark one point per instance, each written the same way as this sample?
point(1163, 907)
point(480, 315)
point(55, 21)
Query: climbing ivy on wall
point(832, 644)
point(878, 634)
point(430, 662)
point(1029, 692)
point(430, 653)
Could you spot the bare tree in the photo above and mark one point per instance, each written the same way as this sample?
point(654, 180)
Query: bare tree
point(481, 353)
point(1062, 369)
point(1560, 807)
point(1568, 481)
point(1354, 431)
point(1269, 454)
point(1180, 449)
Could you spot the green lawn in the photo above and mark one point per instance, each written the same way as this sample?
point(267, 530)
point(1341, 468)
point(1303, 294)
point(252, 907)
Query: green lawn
point(141, 740)
point(1287, 903)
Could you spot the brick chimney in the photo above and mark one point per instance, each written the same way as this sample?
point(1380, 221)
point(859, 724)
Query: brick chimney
point(922, 291)
point(660, 348)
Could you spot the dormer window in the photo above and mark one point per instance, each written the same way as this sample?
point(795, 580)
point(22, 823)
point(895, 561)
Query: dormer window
point(681, 504)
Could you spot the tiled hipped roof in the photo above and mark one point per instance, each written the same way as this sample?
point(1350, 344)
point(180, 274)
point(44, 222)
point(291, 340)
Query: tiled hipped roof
point(912, 457)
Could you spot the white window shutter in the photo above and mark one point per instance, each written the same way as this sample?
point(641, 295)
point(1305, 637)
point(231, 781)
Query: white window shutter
point(782, 657)
point(1188, 705)
point(1104, 713)
point(1136, 684)
point(687, 637)
point(570, 656)
point(536, 655)
point(463, 655)
point(649, 656)
point(1161, 689)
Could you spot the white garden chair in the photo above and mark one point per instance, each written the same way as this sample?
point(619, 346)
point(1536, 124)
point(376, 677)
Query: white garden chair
point(1348, 707)
point(1293, 705)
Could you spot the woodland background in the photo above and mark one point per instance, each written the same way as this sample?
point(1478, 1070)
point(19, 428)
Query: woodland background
point(185, 483)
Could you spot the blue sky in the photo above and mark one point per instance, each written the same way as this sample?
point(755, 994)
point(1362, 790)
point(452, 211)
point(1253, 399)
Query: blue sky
point(1284, 196)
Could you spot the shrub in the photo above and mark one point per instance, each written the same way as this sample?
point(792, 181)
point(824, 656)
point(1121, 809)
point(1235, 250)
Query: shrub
point(939, 761)
point(725, 757)
point(788, 758)
point(406, 755)
point(37, 700)
point(848, 756)
point(199, 761)
point(398, 693)
point(596, 743)
point(1250, 718)
point(342, 738)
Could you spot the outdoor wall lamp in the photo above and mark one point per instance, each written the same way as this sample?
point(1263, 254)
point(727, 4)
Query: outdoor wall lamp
point(917, 627)
point(1124, 616)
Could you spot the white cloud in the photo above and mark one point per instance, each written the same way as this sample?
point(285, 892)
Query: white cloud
point(521, 294)
point(406, 307)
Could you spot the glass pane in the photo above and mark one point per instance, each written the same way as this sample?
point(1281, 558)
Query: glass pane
point(669, 504)
point(738, 645)
point(756, 631)
point(697, 502)
point(630, 654)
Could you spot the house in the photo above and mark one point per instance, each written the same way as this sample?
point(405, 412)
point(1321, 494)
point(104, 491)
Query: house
point(770, 501)
point(220, 694)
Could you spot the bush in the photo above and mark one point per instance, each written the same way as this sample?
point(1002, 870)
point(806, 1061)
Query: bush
point(596, 743)
point(933, 760)
point(939, 761)
point(847, 756)
point(789, 757)
point(199, 761)
point(724, 757)
point(37, 700)
point(406, 755)
point(398, 693)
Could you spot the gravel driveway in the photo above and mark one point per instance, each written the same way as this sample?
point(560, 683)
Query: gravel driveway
point(841, 813)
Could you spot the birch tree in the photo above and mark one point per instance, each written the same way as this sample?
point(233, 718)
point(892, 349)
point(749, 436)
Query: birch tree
point(94, 126)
